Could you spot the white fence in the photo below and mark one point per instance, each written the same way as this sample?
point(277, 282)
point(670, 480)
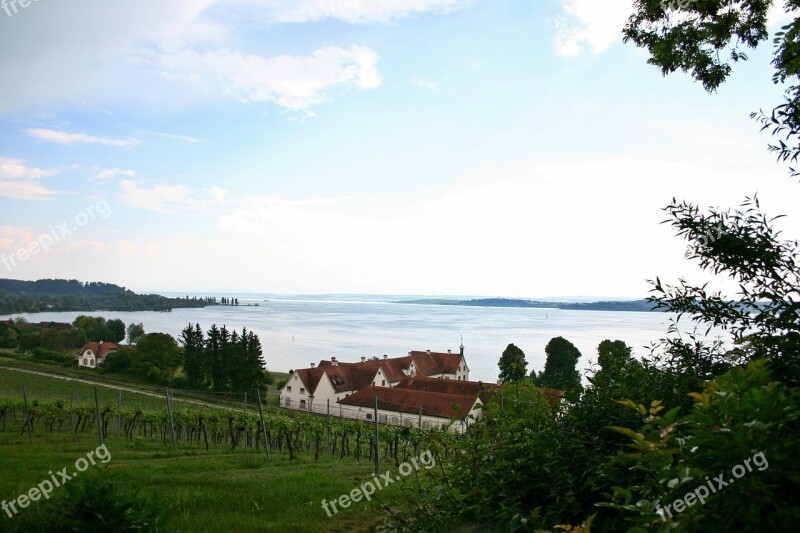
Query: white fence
point(367, 414)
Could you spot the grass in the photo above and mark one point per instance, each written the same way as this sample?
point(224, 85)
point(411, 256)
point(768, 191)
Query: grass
point(216, 491)
point(54, 388)
point(49, 388)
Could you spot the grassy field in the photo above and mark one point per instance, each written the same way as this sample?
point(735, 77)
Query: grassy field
point(217, 490)
point(108, 386)
point(228, 491)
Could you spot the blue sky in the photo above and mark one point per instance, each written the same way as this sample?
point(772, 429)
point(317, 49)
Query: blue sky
point(512, 148)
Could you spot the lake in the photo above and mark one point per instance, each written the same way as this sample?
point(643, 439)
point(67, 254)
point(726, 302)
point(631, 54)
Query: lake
point(295, 331)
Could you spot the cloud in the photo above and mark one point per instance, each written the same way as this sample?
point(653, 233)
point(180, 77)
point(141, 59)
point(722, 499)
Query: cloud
point(17, 180)
point(167, 198)
point(63, 137)
point(102, 55)
point(14, 237)
point(353, 11)
point(590, 25)
point(425, 84)
point(175, 136)
point(293, 82)
point(108, 173)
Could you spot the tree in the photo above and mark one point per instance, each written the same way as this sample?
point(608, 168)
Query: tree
point(613, 355)
point(560, 368)
point(135, 332)
point(9, 337)
point(160, 350)
point(764, 316)
point(194, 356)
point(706, 37)
point(117, 328)
point(742, 244)
point(94, 327)
point(513, 365)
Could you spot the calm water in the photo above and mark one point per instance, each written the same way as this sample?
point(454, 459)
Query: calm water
point(296, 332)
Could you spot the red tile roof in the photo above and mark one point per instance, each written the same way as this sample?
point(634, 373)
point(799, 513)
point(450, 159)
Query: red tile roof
point(355, 376)
point(436, 404)
point(553, 396)
point(100, 349)
point(448, 386)
point(430, 363)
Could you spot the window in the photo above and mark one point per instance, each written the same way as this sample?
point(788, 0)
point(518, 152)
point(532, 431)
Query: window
point(85, 362)
point(369, 416)
point(302, 404)
point(302, 390)
point(383, 383)
point(383, 418)
point(373, 383)
point(287, 402)
point(91, 362)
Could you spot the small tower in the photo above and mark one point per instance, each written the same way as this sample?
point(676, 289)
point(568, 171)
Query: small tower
point(462, 346)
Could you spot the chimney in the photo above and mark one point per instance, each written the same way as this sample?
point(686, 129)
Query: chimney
point(385, 357)
point(448, 350)
point(312, 365)
point(429, 352)
point(334, 362)
point(363, 359)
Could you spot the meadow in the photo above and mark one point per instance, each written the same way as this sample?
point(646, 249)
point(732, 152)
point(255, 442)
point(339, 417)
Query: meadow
point(229, 486)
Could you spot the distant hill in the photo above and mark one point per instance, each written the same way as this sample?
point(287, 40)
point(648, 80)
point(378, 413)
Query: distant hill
point(623, 305)
point(18, 296)
point(61, 287)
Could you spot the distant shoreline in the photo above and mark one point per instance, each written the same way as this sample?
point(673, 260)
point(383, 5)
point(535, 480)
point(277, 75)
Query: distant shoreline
point(630, 305)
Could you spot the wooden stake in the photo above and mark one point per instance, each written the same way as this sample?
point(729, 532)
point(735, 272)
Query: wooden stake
point(263, 427)
point(169, 412)
point(99, 418)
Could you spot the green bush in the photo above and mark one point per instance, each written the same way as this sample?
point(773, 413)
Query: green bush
point(743, 426)
point(93, 503)
point(42, 354)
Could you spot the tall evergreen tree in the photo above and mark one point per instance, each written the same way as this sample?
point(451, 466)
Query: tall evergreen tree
point(214, 358)
point(193, 342)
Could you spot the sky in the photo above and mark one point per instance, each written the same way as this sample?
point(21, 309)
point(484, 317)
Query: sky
point(442, 147)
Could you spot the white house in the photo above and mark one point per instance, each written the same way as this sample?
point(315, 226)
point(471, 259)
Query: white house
point(93, 354)
point(318, 387)
point(411, 407)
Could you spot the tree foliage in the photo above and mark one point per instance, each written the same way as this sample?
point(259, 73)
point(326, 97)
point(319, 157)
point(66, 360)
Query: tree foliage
point(97, 329)
point(513, 366)
point(705, 37)
point(135, 332)
point(222, 361)
point(764, 315)
point(560, 368)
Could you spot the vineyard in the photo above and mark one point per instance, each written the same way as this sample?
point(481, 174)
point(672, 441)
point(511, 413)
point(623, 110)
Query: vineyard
point(69, 407)
point(218, 471)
